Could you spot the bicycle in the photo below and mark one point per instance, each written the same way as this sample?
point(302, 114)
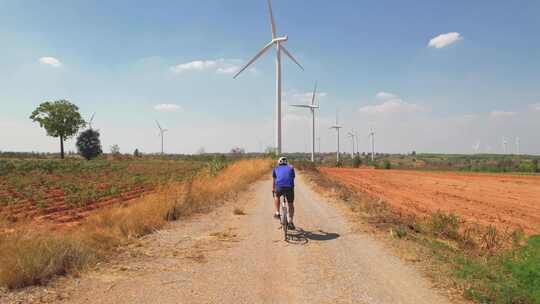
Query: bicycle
point(284, 216)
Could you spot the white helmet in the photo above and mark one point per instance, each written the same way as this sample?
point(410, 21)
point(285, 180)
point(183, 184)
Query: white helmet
point(282, 160)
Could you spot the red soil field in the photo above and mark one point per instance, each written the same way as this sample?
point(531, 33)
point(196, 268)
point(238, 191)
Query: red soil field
point(58, 211)
point(503, 200)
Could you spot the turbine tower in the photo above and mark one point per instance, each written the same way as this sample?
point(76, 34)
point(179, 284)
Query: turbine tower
point(278, 43)
point(372, 135)
point(337, 127)
point(312, 107)
point(517, 146)
point(505, 143)
point(352, 137)
point(161, 133)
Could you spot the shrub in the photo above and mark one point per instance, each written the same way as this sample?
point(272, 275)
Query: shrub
point(387, 165)
point(445, 225)
point(356, 161)
point(88, 144)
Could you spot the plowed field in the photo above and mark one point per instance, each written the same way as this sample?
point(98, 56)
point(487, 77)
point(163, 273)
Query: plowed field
point(502, 200)
point(64, 192)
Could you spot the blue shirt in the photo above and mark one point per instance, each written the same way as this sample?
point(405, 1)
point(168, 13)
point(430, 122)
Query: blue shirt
point(284, 176)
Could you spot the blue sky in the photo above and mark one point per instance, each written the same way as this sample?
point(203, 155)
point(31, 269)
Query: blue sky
point(373, 61)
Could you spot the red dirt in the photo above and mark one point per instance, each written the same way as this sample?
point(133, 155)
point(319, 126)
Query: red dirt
point(505, 201)
point(57, 212)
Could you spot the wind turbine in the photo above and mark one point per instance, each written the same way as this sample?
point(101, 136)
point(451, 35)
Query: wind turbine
point(161, 133)
point(352, 137)
point(357, 143)
point(337, 127)
point(372, 135)
point(278, 43)
point(476, 147)
point(312, 107)
point(91, 119)
point(517, 145)
point(505, 143)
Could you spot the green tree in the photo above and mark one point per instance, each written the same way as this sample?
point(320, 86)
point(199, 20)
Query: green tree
point(59, 118)
point(88, 144)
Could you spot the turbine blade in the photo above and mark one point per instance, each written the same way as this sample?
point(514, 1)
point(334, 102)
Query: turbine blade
point(272, 21)
point(300, 106)
point(92, 118)
point(259, 54)
point(158, 125)
point(314, 92)
point(291, 56)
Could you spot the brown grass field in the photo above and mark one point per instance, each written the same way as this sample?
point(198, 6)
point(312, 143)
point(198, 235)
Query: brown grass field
point(502, 200)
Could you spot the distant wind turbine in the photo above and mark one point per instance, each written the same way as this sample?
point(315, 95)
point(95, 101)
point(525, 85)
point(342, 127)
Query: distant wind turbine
point(505, 144)
point(312, 107)
point(91, 119)
point(372, 135)
point(278, 43)
point(357, 143)
point(352, 137)
point(337, 127)
point(476, 147)
point(517, 146)
point(161, 133)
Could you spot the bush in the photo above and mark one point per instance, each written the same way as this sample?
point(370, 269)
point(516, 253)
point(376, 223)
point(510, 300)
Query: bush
point(88, 144)
point(356, 161)
point(387, 165)
point(445, 225)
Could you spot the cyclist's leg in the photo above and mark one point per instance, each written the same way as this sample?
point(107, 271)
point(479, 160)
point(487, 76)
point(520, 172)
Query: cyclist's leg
point(290, 201)
point(276, 201)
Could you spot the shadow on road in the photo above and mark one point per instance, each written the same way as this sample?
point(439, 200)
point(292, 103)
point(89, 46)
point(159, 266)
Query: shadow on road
point(302, 237)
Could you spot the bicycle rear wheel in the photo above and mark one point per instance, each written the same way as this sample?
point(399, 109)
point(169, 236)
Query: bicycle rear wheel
point(284, 222)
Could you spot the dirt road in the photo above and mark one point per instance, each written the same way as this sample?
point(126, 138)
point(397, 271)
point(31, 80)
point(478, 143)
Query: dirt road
point(226, 258)
point(503, 200)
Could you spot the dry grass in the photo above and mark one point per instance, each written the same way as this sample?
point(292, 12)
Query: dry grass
point(29, 258)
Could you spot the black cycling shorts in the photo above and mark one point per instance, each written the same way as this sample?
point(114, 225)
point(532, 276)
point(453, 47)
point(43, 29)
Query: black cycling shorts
point(287, 192)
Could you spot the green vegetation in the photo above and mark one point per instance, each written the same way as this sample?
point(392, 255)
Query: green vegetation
point(59, 118)
point(88, 144)
point(495, 163)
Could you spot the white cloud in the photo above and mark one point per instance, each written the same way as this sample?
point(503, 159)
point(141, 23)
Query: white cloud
point(444, 40)
point(535, 106)
point(219, 66)
point(390, 107)
point(50, 61)
point(197, 65)
point(167, 107)
point(391, 104)
point(502, 114)
point(228, 70)
point(306, 97)
point(386, 96)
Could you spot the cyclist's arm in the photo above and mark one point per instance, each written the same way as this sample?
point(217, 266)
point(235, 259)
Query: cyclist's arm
point(274, 180)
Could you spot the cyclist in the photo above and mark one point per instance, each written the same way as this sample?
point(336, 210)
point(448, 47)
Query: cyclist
point(283, 184)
